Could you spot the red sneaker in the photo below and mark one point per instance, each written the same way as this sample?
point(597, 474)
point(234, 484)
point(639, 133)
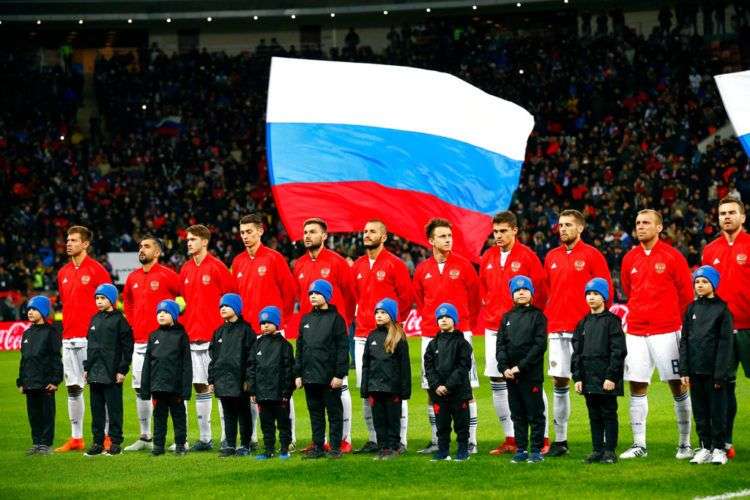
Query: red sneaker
point(346, 447)
point(72, 444)
point(326, 447)
point(731, 453)
point(309, 447)
point(545, 448)
point(507, 446)
point(107, 443)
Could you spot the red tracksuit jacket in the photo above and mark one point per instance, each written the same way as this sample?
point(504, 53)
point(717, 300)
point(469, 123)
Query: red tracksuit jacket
point(142, 293)
point(457, 284)
point(659, 288)
point(389, 277)
point(264, 280)
point(202, 287)
point(567, 275)
point(732, 263)
point(333, 268)
point(77, 287)
point(494, 291)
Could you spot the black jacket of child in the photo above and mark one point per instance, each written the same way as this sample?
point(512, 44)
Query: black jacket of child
point(599, 353)
point(383, 371)
point(270, 373)
point(230, 351)
point(706, 341)
point(322, 347)
point(447, 361)
point(167, 366)
point(110, 347)
point(522, 341)
point(41, 358)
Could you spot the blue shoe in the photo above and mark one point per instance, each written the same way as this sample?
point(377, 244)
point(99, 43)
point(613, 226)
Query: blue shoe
point(520, 457)
point(462, 456)
point(440, 456)
point(535, 457)
point(284, 456)
point(263, 456)
point(203, 446)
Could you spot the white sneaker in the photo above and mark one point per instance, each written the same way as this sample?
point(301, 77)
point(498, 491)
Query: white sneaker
point(684, 452)
point(140, 444)
point(635, 451)
point(719, 457)
point(473, 448)
point(702, 456)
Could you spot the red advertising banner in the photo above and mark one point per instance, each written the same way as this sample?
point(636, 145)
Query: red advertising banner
point(11, 333)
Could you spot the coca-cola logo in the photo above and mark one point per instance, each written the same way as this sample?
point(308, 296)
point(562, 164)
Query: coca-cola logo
point(413, 323)
point(11, 334)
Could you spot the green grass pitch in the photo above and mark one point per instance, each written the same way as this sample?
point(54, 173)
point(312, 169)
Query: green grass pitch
point(204, 475)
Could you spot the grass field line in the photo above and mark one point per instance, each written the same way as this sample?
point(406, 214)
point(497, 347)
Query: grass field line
point(723, 496)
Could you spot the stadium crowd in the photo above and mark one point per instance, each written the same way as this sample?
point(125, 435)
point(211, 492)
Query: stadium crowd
point(619, 118)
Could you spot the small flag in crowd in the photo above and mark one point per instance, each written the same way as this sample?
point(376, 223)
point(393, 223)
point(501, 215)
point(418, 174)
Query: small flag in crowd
point(351, 142)
point(735, 92)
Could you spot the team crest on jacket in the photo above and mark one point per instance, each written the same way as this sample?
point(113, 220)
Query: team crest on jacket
point(85, 279)
point(325, 272)
point(515, 266)
point(741, 259)
point(380, 275)
point(660, 267)
point(154, 285)
point(206, 279)
point(262, 270)
point(579, 265)
point(454, 274)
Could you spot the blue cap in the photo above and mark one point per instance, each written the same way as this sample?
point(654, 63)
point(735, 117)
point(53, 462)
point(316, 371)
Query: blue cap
point(447, 309)
point(41, 303)
point(600, 286)
point(170, 307)
point(107, 290)
point(390, 306)
point(322, 287)
point(708, 272)
point(233, 301)
point(270, 314)
point(519, 282)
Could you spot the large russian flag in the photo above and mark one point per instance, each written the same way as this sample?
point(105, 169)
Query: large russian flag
point(350, 142)
point(735, 92)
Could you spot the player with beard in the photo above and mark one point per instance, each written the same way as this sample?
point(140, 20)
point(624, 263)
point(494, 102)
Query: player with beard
point(568, 267)
point(318, 262)
point(378, 274)
point(729, 255)
point(144, 288)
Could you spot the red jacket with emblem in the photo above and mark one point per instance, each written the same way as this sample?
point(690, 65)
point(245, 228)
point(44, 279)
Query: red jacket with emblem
point(457, 284)
point(389, 277)
point(332, 267)
point(142, 293)
point(264, 280)
point(202, 287)
point(567, 275)
point(76, 286)
point(732, 263)
point(494, 277)
point(659, 288)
